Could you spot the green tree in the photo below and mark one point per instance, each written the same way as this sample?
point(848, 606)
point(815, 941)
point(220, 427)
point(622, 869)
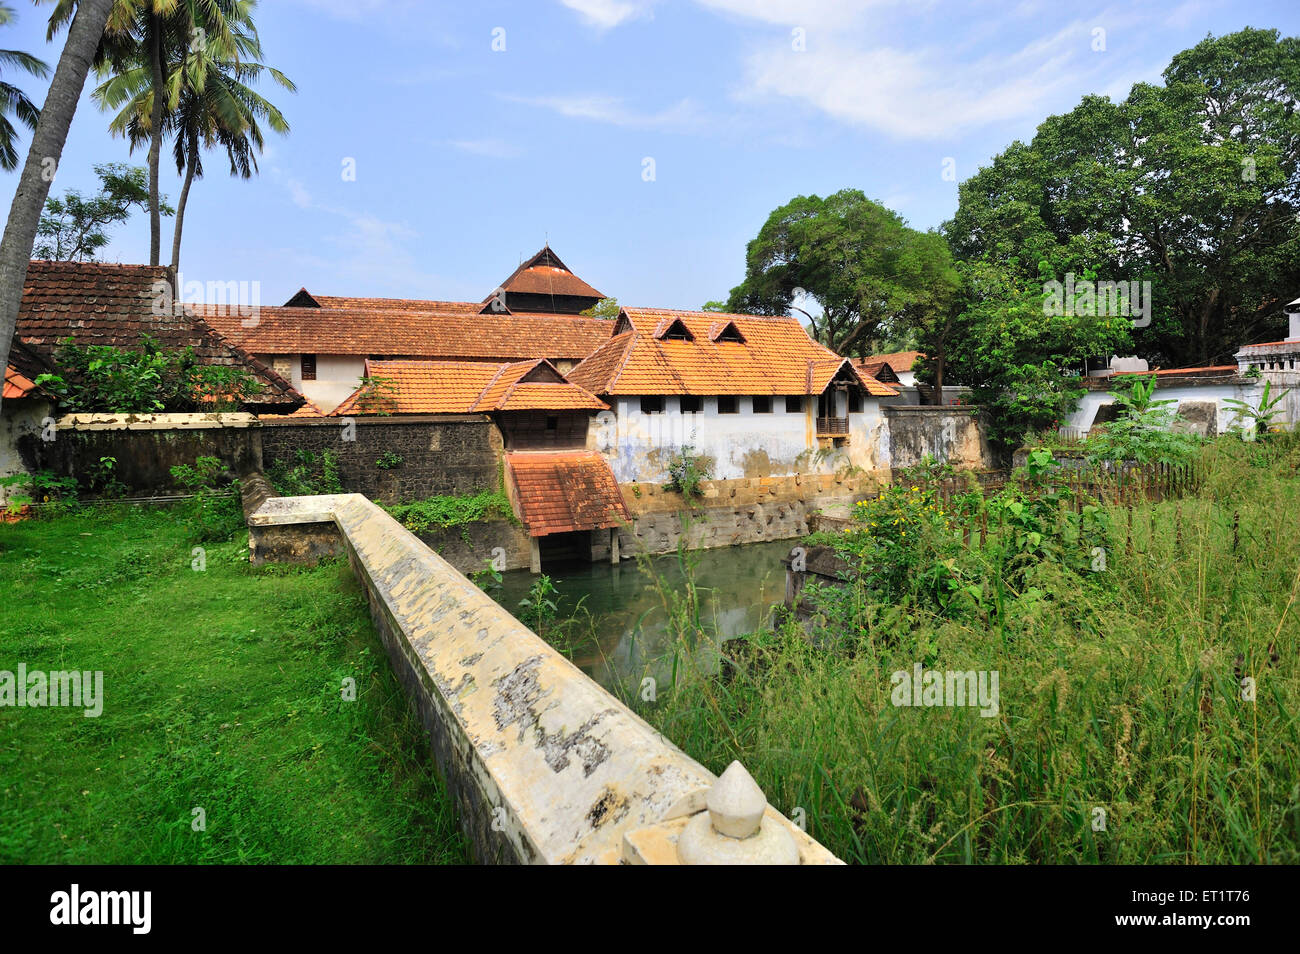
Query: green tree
point(75, 227)
point(1193, 185)
point(13, 101)
point(605, 308)
point(47, 146)
point(861, 265)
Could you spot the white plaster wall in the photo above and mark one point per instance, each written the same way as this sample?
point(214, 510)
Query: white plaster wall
point(20, 416)
point(744, 444)
point(337, 376)
point(1080, 422)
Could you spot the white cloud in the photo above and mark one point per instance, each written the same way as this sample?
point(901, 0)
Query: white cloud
point(805, 13)
point(682, 115)
point(607, 14)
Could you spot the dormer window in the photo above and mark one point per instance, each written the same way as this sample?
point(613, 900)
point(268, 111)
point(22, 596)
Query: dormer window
point(726, 331)
point(673, 330)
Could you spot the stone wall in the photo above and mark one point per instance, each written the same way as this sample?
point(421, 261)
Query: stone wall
point(544, 766)
point(730, 512)
point(468, 547)
point(144, 446)
point(951, 435)
point(440, 455)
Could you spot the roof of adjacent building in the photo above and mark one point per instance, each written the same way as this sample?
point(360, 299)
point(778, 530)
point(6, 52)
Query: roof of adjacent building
point(545, 274)
point(17, 385)
point(465, 387)
point(97, 303)
point(1208, 371)
point(411, 332)
point(898, 361)
point(878, 368)
point(305, 299)
point(655, 351)
point(562, 491)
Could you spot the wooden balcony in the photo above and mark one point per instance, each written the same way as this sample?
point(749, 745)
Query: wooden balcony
point(832, 426)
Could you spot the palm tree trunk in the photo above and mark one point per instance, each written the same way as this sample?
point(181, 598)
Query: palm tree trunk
point(191, 160)
point(155, 142)
point(47, 144)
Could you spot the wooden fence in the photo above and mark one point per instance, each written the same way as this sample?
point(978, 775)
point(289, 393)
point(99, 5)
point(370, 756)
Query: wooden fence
point(1120, 484)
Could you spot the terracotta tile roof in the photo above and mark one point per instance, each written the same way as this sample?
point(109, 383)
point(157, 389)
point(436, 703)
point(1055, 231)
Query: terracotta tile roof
point(776, 356)
point(467, 387)
point(545, 274)
point(389, 304)
point(560, 491)
point(308, 410)
point(104, 304)
point(1208, 371)
point(412, 333)
point(899, 361)
point(878, 368)
point(17, 385)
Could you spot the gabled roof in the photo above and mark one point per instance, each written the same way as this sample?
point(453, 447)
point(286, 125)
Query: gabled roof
point(545, 274)
point(390, 329)
point(774, 356)
point(305, 299)
point(96, 303)
point(899, 361)
point(466, 387)
point(562, 491)
point(878, 368)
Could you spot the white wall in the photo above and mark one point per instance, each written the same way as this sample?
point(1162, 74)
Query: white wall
point(337, 376)
point(1080, 422)
point(638, 446)
point(20, 416)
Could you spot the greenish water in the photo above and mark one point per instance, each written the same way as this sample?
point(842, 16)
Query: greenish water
point(738, 587)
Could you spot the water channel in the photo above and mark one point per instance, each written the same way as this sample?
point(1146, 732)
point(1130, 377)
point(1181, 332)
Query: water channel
point(738, 587)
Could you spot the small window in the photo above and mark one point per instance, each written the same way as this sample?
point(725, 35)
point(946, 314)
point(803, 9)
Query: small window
point(855, 402)
point(762, 404)
point(794, 404)
point(728, 405)
point(652, 404)
point(691, 404)
point(552, 423)
point(309, 367)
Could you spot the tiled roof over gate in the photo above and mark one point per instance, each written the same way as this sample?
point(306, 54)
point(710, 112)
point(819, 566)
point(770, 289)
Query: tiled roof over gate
point(562, 491)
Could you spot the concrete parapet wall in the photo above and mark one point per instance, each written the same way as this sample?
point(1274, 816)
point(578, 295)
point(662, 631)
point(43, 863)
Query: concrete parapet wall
point(544, 765)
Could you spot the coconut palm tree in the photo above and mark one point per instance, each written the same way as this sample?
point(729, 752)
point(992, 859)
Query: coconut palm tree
point(215, 105)
point(13, 101)
point(145, 35)
point(50, 134)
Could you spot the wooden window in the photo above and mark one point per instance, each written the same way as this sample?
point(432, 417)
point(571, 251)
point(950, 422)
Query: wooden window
point(552, 423)
point(652, 404)
point(762, 404)
point(309, 367)
point(855, 402)
point(727, 404)
point(794, 404)
point(691, 404)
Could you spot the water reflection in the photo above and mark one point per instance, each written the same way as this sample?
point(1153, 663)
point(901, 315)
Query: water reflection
point(738, 587)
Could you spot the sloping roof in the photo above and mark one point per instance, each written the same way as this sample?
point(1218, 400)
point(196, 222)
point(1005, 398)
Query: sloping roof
point(776, 356)
point(306, 299)
point(467, 387)
point(899, 361)
point(309, 410)
point(17, 385)
point(561, 491)
point(96, 303)
point(411, 332)
point(878, 368)
point(1208, 371)
point(545, 274)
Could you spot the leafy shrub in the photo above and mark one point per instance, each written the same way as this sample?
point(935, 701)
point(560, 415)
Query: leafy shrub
point(686, 470)
point(1143, 431)
point(309, 474)
point(437, 513)
point(41, 487)
point(389, 460)
point(213, 513)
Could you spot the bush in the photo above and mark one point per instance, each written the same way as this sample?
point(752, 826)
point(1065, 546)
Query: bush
point(308, 475)
point(214, 512)
point(686, 470)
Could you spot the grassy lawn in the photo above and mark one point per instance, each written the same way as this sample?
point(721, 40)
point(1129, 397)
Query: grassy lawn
point(222, 692)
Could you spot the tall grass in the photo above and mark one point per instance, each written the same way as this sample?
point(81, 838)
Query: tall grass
point(1122, 736)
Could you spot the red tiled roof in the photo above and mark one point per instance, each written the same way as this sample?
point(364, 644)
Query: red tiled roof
point(96, 303)
point(776, 356)
point(308, 410)
point(899, 361)
point(466, 387)
point(545, 274)
point(1272, 344)
point(878, 368)
point(413, 333)
point(1207, 371)
point(16, 385)
point(561, 491)
point(398, 304)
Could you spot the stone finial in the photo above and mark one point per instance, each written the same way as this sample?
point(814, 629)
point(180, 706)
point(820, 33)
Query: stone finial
point(736, 803)
point(736, 829)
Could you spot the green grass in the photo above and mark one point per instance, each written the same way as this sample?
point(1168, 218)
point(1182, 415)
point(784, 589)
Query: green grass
point(1119, 691)
point(222, 692)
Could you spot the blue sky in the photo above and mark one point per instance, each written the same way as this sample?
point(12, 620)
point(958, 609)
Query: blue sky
point(468, 158)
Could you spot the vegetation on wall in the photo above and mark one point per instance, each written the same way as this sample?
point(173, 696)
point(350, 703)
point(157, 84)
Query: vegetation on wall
point(452, 510)
point(306, 474)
